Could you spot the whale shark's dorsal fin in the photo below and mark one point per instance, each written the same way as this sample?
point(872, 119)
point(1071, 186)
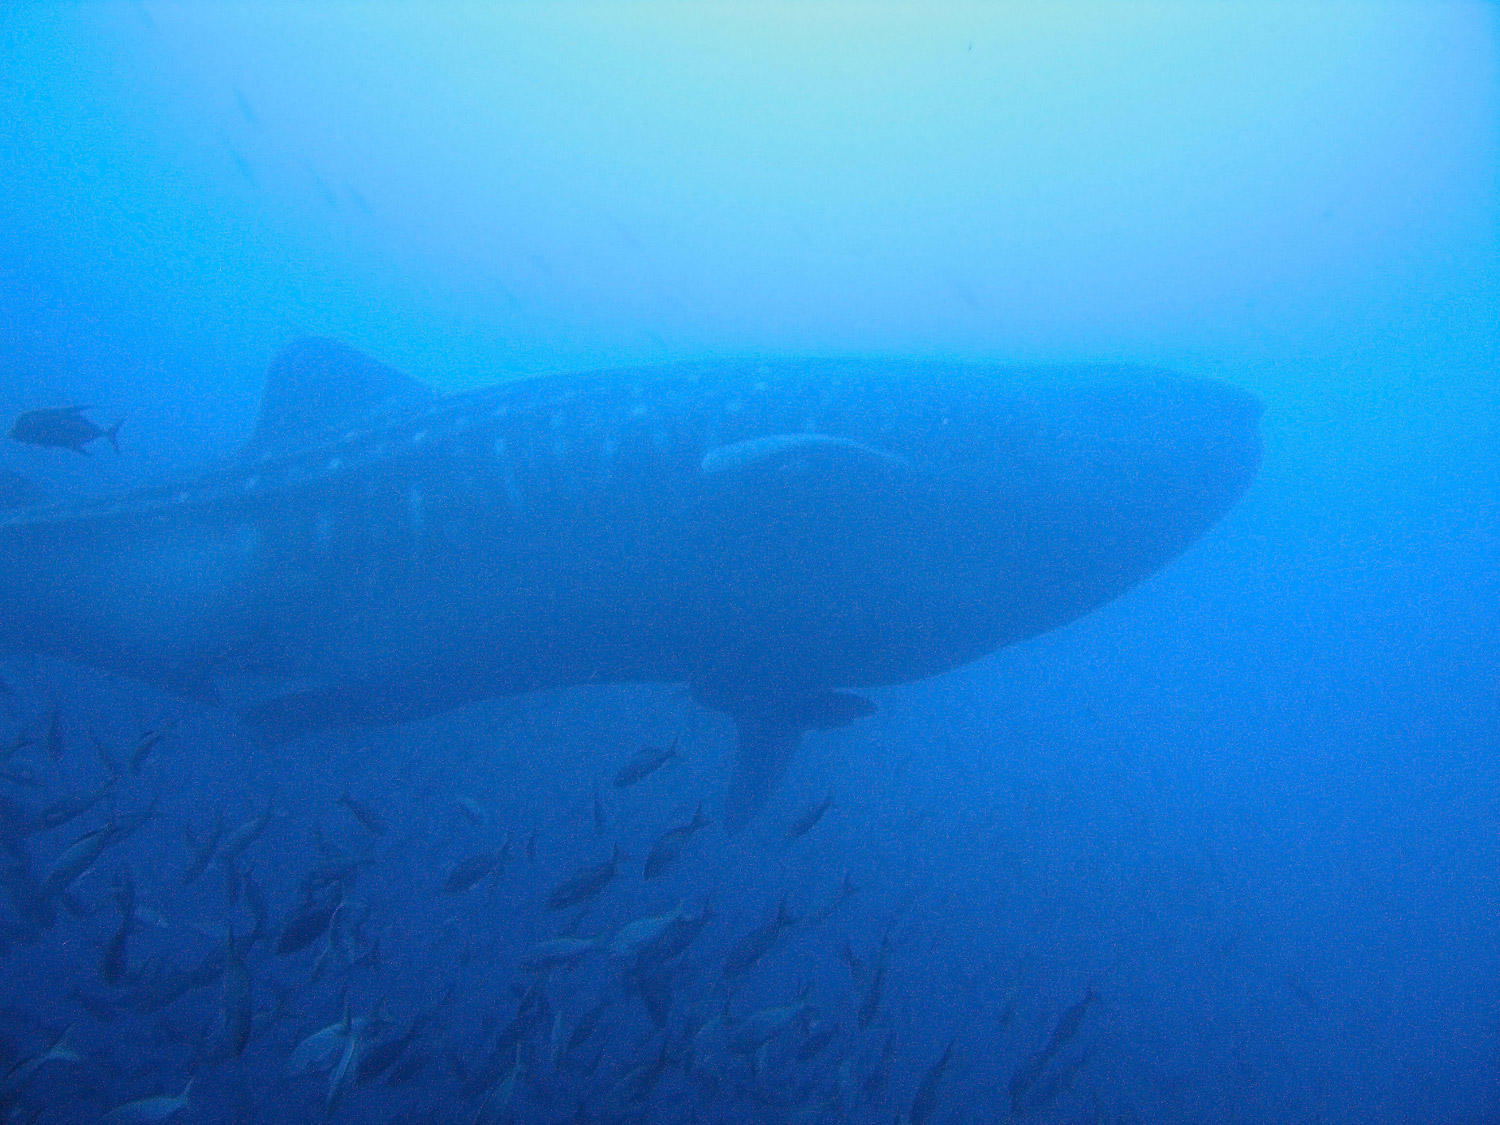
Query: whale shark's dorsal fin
point(317, 387)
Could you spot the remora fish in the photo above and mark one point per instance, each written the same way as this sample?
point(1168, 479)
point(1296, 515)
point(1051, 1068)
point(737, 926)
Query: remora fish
point(54, 742)
point(771, 532)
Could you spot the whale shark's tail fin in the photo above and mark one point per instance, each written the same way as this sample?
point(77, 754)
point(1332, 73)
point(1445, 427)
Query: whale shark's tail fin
point(769, 731)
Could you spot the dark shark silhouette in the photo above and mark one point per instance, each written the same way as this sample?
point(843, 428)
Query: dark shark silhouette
point(772, 532)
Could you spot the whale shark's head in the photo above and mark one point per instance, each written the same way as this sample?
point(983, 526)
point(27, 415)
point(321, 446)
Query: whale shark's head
point(1081, 491)
point(947, 511)
point(1146, 467)
point(938, 514)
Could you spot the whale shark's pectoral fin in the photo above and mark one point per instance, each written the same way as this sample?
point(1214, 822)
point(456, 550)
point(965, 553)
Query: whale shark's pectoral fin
point(829, 490)
point(769, 731)
point(316, 388)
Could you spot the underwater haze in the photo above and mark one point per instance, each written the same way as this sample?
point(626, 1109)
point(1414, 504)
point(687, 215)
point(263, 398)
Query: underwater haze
point(750, 562)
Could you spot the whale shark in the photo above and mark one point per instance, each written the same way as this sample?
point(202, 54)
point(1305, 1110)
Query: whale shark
point(778, 533)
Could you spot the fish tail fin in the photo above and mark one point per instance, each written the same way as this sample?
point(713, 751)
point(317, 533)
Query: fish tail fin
point(112, 435)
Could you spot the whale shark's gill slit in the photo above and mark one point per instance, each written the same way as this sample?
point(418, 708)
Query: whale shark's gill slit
point(606, 464)
point(379, 547)
point(554, 443)
point(568, 472)
point(416, 517)
point(510, 486)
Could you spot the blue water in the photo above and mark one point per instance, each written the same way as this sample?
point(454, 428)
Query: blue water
point(1225, 849)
